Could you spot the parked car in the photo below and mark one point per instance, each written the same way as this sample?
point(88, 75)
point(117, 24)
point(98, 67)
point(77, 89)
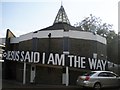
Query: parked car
point(99, 79)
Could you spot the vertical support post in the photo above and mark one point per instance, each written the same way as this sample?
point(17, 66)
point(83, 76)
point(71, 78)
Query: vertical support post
point(0, 75)
point(24, 73)
point(119, 38)
point(67, 76)
point(49, 47)
point(66, 52)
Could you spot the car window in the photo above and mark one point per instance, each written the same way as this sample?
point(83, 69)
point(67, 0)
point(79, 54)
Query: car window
point(103, 74)
point(111, 75)
point(88, 74)
point(106, 74)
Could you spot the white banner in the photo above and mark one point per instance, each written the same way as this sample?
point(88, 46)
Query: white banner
point(56, 59)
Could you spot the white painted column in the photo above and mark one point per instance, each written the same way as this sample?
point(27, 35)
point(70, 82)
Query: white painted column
point(0, 75)
point(67, 76)
point(24, 73)
point(66, 70)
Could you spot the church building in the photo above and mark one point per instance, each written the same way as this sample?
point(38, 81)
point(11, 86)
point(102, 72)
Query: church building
point(55, 55)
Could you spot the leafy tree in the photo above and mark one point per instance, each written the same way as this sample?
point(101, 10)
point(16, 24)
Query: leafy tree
point(90, 23)
point(94, 24)
point(104, 29)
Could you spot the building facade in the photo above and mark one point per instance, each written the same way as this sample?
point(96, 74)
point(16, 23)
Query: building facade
point(57, 54)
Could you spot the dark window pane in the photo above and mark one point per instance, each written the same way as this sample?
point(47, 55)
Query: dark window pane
point(66, 44)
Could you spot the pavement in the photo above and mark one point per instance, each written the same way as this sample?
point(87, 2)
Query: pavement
point(13, 85)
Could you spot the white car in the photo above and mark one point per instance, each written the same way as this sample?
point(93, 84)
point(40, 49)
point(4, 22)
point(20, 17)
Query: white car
point(99, 79)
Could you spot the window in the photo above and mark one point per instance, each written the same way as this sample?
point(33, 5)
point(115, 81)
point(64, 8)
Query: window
point(107, 74)
point(103, 74)
point(66, 44)
point(111, 75)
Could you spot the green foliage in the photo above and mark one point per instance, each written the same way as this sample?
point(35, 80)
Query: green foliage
point(94, 24)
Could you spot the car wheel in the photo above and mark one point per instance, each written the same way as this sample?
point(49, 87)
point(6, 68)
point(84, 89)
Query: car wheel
point(97, 86)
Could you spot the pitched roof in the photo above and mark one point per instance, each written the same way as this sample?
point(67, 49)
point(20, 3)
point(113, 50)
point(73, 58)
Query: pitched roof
point(60, 25)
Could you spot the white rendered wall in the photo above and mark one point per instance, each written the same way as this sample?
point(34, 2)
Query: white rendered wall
point(60, 34)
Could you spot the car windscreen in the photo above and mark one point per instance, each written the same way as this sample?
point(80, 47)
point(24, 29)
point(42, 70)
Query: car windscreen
point(88, 74)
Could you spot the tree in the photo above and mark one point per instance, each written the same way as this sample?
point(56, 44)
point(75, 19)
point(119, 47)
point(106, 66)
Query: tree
point(104, 29)
point(94, 24)
point(90, 23)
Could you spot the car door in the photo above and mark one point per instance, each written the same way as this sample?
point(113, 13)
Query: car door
point(113, 78)
point(104, 79)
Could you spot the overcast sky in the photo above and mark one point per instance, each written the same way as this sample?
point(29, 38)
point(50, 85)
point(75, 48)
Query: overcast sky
point(24, 16)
